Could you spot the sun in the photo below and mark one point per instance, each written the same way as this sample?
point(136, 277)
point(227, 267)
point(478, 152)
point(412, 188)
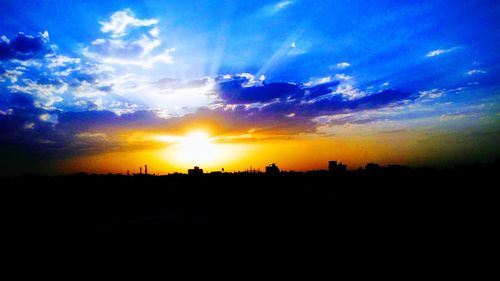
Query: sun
point(199, 148)
point(196, 148)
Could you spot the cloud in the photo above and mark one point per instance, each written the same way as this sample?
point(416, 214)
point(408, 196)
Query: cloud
point(12, 75)
point(47, 93)
point(294, 108)
point(342, 77)
point(282, 5)
point(431, 94)
point(24, 47)
point(475, 71)
point(438, 52)
point(138, 49)
point(120, 20)
point(320, 89)
point(348, 92)
point(61, 61)
point(343, 65)
point(240, 90)
point(452, 117)
point(147, 62)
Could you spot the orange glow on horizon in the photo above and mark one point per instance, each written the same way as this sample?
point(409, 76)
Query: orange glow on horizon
point(177, 153)
point(168, 153)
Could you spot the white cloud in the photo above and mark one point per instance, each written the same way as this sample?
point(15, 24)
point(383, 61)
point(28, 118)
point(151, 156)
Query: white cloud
point(342, 77)
point(98, 69)
point(44, 35)
point(120, 20)
point(99, 41)
point(318, 81)
point(12, 75)
point(46, 94)
point(343, 65)
point(52, 118)
point(155, 32)
point(5, 39)
point(281, 5)
point(60, 61)
point(431, 94)
point(27, 63)
point(148, 62)
point(67, 71)
point(437, 52)
point(252, 80)
point(349, 92)
point(293, 45)
point(147, 44)
point(475, 71)
point(87, 90)
point(140, 49)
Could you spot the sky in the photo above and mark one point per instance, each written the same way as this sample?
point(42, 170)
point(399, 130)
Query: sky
point(108, 86)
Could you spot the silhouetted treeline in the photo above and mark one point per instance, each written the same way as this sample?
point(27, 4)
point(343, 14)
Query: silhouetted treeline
point(392, 196)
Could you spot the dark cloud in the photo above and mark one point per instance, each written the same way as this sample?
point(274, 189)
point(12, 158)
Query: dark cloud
point(321, 89)
point(380, 99)
point(287, 98)
point(235, 92)
point(24, 46)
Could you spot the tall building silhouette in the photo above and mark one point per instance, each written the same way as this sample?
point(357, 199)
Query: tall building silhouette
point(195, 171)
point(336, 168)
point(272, 169)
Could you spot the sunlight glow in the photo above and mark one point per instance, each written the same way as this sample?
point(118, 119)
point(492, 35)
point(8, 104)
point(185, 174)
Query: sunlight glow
point(197, 148)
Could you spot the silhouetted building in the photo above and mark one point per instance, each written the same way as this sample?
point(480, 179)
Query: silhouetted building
point(272, 169)
point(336, 168)
point(195, 171)
point(146, 169)
point(399, 169)
point(372, 168)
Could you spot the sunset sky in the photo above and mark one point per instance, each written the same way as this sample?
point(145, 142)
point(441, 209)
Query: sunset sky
point(108, 86)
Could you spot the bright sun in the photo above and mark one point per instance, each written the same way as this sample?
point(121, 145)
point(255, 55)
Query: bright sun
point(196, 148)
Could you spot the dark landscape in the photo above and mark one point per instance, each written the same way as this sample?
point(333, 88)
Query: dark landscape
point(391, 197)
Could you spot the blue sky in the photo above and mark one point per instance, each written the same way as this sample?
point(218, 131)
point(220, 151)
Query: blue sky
point(299, 67)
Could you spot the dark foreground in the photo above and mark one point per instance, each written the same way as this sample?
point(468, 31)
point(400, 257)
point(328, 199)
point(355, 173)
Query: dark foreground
point(403, 199)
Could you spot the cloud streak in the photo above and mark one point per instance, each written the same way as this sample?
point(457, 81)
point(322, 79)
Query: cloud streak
point(121, 20)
